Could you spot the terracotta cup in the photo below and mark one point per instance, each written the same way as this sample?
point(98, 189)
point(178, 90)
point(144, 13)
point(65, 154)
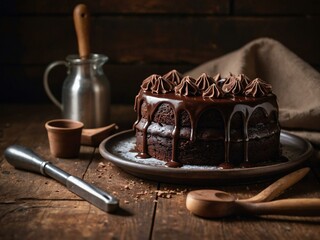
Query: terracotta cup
point(64, 137)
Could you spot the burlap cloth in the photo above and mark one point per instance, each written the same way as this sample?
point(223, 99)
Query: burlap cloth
point(295, 82)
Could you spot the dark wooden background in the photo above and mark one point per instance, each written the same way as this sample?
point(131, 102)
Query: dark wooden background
point(142, 37)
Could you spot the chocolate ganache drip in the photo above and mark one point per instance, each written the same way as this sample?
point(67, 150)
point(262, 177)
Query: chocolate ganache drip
point(187, 87)
point(213, 91)
point(173, 76)
point(204, 81)
point(258, 88)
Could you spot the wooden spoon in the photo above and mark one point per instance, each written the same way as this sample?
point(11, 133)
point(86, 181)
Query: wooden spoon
point(214, 204)
point(267, 194)
point(81, 18)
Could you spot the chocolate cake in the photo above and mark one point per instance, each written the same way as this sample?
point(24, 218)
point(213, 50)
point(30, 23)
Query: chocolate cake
point(226, 122)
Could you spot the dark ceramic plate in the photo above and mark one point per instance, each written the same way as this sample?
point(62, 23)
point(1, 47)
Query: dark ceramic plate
point(120, 150)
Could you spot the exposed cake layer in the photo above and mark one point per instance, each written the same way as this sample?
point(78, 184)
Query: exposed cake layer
point(264, 150)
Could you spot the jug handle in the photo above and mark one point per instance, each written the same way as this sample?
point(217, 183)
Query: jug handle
point(46, 79)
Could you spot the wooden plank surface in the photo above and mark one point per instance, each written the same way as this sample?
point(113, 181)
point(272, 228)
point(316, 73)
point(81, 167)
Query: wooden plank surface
point(162, 39)
point(173, 219)
point(156, 45)
point(48, 206)
point(202, 7)
point(143, 37)
point(35, 207)
point(122, 7)
point(125, 81)
point(275, 7)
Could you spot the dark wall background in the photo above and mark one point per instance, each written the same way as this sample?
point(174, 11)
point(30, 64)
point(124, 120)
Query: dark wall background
point(142, 37)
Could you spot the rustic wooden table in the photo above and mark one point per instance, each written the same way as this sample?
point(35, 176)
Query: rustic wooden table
point(35, 207)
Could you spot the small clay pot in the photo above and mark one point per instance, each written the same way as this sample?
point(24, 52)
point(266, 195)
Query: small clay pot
point(64, 137)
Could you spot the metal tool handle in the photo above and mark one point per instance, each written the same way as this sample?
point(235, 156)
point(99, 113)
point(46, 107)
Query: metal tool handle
point(92, 194)
point(24, 158)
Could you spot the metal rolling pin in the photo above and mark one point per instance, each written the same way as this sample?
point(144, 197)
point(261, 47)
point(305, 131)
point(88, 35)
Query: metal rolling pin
point(24, 158)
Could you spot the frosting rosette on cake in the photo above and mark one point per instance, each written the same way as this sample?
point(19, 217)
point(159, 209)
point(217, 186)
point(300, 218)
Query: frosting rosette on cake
point(204, 81)
point(148, 83)
point(173, 76)
point(233, 85)
point(213, 91)
point(161, 85)
point(157, 84)
point(187, 87)
point(217, 77)
point(258, 88)
point(219, 80)
point(244, 80)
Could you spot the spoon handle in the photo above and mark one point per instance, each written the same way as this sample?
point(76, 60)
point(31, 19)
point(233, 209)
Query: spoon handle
point(291, 207)
point(278, 187)
point(81, 18)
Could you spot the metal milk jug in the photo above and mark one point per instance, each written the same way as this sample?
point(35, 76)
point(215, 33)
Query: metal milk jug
point(85, 91)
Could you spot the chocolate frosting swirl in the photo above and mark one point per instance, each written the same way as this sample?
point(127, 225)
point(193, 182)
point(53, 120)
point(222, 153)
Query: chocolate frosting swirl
point(244, 80)
point(233, 85)
point(211, 87)
point(213, 91)
point(162, 85)
point(217, 77)
point(204, 81)
point(149, 82)
point(187, 87)
point(173, 76)
point(219, 80)
point(258, 88)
